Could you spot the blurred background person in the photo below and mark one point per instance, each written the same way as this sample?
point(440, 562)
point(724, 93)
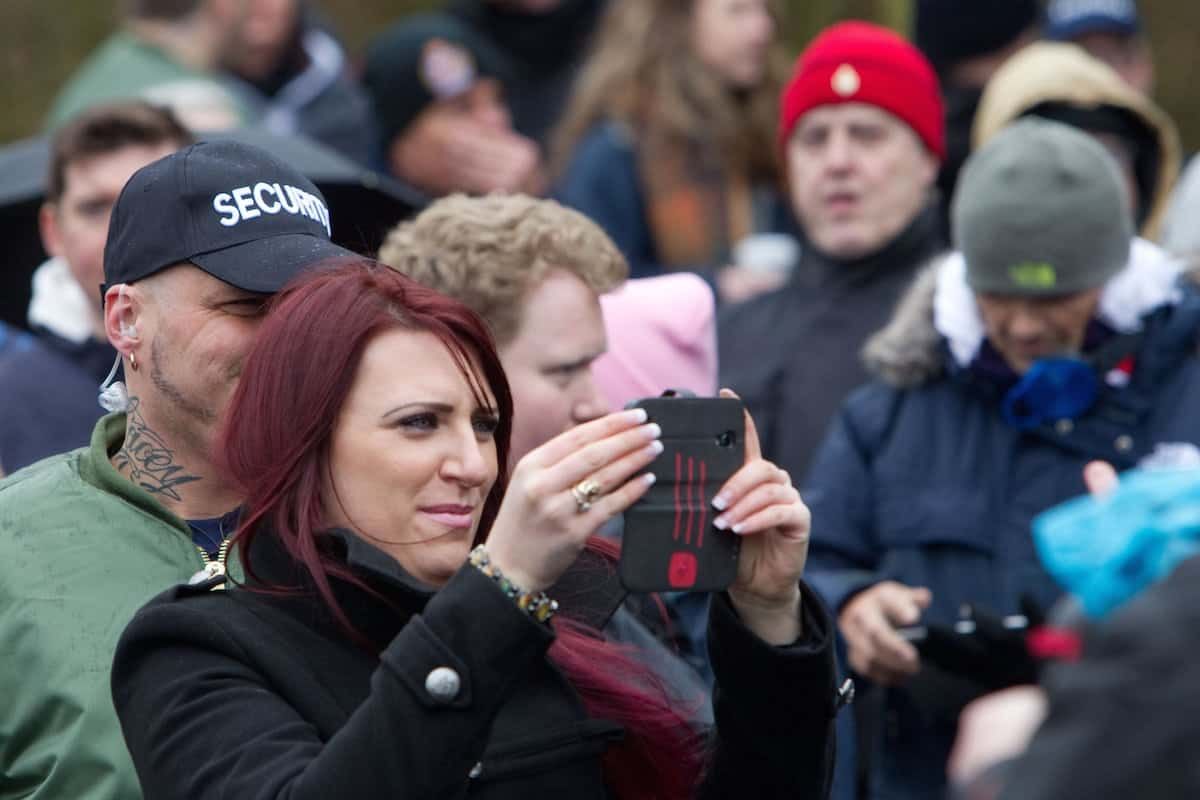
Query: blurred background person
point(967, 43)
point(1180, 233)
point(296, 78)
point(669, 140)
point(1050, 338)
point(661, 334)
point(1061, 82)
point(1111, 31)
point(542, 44)
point(863, 136)
point(49, 401)
point(166, 51)
point(438, 92)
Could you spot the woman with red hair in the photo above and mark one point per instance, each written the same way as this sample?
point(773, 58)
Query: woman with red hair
point(370, 652)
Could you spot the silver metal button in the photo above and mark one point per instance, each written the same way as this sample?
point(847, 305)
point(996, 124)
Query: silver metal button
point(476, 770)
point(1123, 443)
point(845, 694)
point(443, 684)
point(1064, 427)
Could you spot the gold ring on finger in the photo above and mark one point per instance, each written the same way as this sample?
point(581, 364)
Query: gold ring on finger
point(585, 492)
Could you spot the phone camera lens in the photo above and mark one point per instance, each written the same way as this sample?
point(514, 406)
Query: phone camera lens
point(725, 439)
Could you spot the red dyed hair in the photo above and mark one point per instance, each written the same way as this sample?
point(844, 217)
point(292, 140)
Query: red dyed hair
point(276, 442)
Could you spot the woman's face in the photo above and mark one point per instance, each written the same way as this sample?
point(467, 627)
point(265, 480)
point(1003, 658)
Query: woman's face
point(413, 455)
point(733, 38)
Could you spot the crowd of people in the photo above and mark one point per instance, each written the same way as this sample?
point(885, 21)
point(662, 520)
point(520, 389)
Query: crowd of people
point(284, 519)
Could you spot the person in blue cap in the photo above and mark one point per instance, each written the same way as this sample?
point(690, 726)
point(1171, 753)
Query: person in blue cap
point(1109, 30)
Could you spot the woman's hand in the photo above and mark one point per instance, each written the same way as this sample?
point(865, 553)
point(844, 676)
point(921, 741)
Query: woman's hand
point(760, 504)
point(541, 527)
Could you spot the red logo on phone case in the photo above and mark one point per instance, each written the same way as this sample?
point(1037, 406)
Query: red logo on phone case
point(691, 507)
point(681, 572)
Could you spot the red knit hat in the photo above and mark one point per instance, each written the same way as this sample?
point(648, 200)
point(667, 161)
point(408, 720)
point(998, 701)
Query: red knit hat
point(857, 62)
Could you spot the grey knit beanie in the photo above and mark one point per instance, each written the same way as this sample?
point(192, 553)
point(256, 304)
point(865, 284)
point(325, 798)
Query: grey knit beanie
point(1041, 209)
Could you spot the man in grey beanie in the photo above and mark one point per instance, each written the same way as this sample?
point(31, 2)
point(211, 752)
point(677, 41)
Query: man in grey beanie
point(1051, 338)
point(1042, 221)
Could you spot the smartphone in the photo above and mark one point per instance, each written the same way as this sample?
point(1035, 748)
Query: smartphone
point(669, 542)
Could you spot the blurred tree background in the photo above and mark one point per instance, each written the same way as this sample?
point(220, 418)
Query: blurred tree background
point(41, 42)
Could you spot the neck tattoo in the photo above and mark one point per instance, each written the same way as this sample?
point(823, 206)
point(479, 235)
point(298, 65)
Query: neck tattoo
point(147, 460)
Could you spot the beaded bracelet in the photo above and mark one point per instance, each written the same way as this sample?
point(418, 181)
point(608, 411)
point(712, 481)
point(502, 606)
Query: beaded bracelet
point(536, 604)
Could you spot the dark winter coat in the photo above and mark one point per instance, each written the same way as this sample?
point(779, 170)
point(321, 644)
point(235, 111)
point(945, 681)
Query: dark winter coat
point(48, 390)
point(238, 694)
point(921, 481)
point(1122, 722)
point(793, 355)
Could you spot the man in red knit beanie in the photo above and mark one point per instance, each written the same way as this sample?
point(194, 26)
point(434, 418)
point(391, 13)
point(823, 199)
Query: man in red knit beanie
point(862, 135)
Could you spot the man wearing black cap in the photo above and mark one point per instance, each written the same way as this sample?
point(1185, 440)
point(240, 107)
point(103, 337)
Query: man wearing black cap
point(198, 240)
point(967, 42)
point(445, 125)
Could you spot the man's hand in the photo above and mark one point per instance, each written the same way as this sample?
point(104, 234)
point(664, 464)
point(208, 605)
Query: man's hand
point(868, 623)
point(481, 160)
point(1100, 478)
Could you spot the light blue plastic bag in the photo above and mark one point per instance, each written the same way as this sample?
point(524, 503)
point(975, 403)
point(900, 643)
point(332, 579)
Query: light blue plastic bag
point(1106, 550)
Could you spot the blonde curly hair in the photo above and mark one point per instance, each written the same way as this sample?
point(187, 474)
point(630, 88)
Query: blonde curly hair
point(489, 252)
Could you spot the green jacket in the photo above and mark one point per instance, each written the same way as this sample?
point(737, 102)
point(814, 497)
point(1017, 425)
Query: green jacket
point(124, 67)
point(81, 550)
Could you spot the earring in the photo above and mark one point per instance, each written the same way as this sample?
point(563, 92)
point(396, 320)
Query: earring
point(133, 362)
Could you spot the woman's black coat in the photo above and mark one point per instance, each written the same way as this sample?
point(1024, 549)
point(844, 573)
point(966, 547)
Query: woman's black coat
point(239, 694)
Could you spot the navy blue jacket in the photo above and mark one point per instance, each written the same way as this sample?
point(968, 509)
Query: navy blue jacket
point(48, 389)
point(924, 483)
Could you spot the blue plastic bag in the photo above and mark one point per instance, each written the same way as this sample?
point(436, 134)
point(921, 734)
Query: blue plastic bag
point(1106, 550)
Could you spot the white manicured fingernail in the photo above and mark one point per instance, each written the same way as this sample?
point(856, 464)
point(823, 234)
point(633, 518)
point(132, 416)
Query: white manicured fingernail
point(652, 431)
point(720, 502)
point(649, 478)
point(739, 528)
point(720, 523)
point(637, 415)
point(654, 448)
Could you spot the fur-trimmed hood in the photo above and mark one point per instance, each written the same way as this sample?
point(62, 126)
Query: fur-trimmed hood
point(1064, 73)
point(938, 314)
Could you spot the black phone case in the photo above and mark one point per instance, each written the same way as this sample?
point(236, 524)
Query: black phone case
point(669, 542)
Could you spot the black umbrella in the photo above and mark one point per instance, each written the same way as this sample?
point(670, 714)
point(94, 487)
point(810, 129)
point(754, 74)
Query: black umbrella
point(363, 204)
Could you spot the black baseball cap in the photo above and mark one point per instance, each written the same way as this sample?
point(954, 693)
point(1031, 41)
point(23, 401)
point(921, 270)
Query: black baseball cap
point(420, 60)
point(232, 209)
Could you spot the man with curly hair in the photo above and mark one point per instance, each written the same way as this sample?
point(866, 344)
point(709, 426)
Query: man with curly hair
point(535, 271)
